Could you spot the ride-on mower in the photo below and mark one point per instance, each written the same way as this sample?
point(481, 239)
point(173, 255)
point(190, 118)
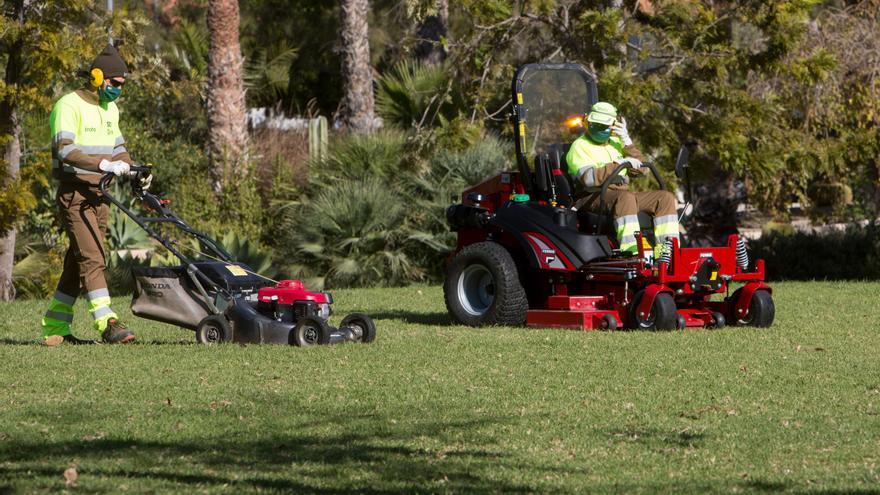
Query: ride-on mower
point(224, 300)
point(525, 255)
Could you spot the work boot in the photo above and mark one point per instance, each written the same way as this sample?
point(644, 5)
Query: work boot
point(54, 340)
point(116, 333)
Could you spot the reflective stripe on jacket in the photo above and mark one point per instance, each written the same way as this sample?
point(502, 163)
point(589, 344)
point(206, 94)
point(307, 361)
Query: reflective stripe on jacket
point(84, 132)
point(585, 157)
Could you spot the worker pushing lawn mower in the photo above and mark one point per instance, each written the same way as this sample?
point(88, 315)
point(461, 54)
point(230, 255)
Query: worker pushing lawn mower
point(528, 253)
point(224, 300)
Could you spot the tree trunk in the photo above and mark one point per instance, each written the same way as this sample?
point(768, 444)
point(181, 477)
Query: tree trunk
point(357, 107)
point(430, 32)
point(228, 138)
point(10, 126)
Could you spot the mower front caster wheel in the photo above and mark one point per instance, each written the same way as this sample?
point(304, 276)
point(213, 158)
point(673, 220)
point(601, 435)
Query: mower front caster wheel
point(610, 322)
point(762, 311)
point(310, 332)
point(213, 329)
point(720, 321)
point(663, 315)
point(361, 326)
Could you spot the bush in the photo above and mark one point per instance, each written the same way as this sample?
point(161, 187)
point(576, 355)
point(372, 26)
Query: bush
point(380, 154)
point(352, 234)
point(853, 254)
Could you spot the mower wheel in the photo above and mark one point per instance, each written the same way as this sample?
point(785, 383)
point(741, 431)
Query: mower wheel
point(213, 329)
point(680, 322)
point(610, 322)
point(720, 320)
point(762, 311)
point(361, 325)
point(482, 287)
point(663, 314)
point(310, 331)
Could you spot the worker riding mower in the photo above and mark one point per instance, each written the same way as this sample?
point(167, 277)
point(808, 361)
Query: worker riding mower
point(525, 255)
point(224, 300)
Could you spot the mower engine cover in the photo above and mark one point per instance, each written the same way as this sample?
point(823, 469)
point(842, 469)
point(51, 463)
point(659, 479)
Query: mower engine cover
point(289, 300)
point(237, 278)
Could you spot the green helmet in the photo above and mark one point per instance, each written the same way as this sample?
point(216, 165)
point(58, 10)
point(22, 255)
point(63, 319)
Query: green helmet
point(602, 113)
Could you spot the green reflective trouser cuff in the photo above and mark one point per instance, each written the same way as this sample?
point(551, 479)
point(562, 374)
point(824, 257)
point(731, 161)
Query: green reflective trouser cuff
point(59, 316)
point(99, 307)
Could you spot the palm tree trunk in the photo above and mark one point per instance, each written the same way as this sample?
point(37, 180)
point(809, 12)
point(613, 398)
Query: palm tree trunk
point(357, 108)
point(10, 126)
point(228, 138)
point(430, 32)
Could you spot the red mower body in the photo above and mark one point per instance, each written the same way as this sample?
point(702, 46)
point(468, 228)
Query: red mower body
point(602, 293)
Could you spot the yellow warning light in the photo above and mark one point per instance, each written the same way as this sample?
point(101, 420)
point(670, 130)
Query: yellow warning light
point(574, 122)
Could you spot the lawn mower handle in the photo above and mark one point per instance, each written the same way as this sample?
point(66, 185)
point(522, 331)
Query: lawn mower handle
point(165, 215)
point(613, 176)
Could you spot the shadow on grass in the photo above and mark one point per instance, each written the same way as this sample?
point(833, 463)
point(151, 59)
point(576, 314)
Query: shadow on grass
point(369, 454)
point(657, 439)
point(431, 318)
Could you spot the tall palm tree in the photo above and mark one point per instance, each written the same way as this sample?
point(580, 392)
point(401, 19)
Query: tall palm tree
point(228, 140)
point(357, 111)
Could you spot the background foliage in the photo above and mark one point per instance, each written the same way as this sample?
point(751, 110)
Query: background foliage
point(779, 100)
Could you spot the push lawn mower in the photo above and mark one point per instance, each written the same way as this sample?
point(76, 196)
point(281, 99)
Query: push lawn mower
point(224, 300)
point(524, 255)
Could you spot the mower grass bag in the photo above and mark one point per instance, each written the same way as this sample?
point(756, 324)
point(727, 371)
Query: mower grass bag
point(167, 294)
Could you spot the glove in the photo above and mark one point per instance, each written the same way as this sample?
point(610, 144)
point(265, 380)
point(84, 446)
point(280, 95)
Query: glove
point(118, 167)
point(619, 128)
point(146, 181)
point(633, 163)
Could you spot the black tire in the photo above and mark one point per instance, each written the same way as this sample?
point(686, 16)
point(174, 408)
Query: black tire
point(310, 331)
point(663, 315)
point(362, 326)
point(482, 287)
point(720, 321)
point(213, 329)
point(762, 310)
point(680, 322)
point(610, 322)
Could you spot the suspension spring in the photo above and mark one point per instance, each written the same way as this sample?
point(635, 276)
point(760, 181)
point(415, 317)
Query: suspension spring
point(742, 256)
point(666, 254)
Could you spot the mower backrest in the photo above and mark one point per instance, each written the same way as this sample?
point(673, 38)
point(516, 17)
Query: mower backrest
point(551, 175)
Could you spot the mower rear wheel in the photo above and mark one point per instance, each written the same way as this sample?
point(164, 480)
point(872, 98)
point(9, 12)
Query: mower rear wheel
point(762, 311)
point(213, 329)
point(310, 331)
point(361, 326)
point(482, 287)
point(663, 314)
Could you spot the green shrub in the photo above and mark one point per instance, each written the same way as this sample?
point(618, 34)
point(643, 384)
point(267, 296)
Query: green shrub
point(853, 254)
point(413, 95)
point(354, 155)
point(352, 233)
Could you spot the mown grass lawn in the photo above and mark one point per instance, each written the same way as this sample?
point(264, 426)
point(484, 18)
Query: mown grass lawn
point(431, 407)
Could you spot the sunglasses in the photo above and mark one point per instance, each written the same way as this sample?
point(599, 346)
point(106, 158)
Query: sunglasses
point(115, 83)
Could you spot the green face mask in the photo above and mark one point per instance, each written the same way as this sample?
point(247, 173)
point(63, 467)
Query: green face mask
point(109, 93)
point(599, 133)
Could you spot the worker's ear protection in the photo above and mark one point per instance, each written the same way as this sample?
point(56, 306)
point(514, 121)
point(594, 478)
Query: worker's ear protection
point(96, 77)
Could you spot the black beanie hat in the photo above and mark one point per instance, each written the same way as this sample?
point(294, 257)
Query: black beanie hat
point(110, 63)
